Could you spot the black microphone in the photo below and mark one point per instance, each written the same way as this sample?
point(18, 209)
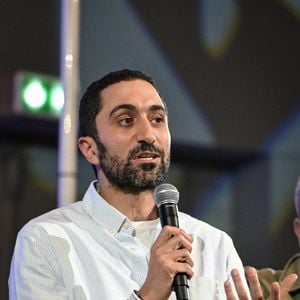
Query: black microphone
point(166, 197)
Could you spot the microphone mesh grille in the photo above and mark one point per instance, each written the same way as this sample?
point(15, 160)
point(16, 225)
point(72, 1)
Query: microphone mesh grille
point(166, 193)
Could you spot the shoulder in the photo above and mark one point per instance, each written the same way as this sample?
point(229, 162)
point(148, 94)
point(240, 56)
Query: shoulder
point(196, 224)
point(211, 245)
point(202, 229)
point(266, 277)
point(295, 259)
point(52, 219)
point(270, 275)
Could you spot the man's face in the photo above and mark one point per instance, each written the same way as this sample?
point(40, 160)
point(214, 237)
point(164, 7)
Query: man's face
point(134, 138)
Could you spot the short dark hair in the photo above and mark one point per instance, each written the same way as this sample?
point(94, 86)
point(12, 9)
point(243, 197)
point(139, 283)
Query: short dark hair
point(90, 103)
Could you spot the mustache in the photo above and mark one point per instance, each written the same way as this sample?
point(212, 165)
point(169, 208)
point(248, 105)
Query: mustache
point(145, 147)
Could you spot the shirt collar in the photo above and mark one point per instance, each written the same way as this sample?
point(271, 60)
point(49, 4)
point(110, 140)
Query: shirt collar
point(104, 214)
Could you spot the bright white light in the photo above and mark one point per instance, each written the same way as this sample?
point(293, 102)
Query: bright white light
point(57, 98)
point(69, 60)
point(67, 124)
point(34, 94)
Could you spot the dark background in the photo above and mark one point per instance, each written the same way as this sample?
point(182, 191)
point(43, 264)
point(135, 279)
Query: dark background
point(229, 72)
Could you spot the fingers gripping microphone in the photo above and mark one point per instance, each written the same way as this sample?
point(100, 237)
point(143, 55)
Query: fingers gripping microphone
point(166, 197)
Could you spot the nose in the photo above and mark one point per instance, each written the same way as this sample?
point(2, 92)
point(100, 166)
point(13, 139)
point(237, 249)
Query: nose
point(145, 133)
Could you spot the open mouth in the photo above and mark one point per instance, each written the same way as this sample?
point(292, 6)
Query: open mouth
point(146, 156)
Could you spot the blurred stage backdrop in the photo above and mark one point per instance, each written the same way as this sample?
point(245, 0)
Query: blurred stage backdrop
point(229, 72)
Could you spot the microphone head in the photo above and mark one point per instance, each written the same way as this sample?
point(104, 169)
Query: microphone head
point(165, 193)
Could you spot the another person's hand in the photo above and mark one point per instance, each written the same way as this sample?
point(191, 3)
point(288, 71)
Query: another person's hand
point(169, 255)
point(278, 290)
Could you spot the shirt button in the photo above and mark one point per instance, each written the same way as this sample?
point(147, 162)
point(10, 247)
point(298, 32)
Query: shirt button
point(125, 226)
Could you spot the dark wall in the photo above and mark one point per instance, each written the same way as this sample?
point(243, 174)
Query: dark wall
point(246, 84)
point(30, 34)
point(29, 39)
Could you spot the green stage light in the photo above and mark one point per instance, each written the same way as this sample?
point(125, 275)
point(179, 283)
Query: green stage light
point(56, 98)
point(38, 95)
point(34, 94)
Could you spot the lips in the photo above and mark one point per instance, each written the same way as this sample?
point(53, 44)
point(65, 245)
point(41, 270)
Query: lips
point(149, 156)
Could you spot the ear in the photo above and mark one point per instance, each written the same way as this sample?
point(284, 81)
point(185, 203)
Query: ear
point(297, 228)
point(89, 149)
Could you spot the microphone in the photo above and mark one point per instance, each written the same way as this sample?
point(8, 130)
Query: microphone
point(166, 197)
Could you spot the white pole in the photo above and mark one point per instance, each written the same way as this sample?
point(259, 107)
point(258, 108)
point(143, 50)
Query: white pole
point(67, 157)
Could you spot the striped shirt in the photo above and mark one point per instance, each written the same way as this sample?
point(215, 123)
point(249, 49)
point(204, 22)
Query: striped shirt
point(90, 251)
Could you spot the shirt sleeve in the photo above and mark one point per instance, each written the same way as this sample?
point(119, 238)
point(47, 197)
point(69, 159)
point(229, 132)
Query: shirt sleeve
point(34, 272)
point(134, 296)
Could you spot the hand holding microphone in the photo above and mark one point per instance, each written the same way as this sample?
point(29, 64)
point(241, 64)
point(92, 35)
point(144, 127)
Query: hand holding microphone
point(166, 197)
point(170, 263)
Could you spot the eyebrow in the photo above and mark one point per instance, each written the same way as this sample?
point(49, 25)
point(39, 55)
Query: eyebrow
point(131, 107)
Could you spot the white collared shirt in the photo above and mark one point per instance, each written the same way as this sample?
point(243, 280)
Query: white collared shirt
point(89, 251)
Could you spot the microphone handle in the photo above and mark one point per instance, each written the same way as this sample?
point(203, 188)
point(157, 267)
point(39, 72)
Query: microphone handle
point(169, 216)
point(181, 286)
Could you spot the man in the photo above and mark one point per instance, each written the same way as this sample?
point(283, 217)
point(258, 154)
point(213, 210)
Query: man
point(268, 275)
point(110, 245)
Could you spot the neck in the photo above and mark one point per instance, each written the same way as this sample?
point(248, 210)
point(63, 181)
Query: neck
point(136, 207)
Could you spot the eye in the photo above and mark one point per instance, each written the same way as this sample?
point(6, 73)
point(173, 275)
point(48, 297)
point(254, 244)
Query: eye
point(158, 119)
point(125, 121)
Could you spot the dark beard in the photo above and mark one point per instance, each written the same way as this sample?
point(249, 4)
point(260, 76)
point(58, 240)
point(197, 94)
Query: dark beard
point(127, 177)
